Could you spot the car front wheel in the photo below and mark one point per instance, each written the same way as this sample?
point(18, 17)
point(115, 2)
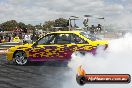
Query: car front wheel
point(20, 58)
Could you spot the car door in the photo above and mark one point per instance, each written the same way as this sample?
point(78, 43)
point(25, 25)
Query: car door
point(64, 46)
point(52, 47)
point(44, 49)
point(81, 44)
point(68, 43)
point(57, 46)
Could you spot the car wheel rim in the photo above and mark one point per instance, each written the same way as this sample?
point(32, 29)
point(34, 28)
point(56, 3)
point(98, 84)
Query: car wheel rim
point(20, 59)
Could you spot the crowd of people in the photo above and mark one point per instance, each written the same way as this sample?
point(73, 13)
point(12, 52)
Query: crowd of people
point(95, 29)
point(32, 37)
point(20, 37)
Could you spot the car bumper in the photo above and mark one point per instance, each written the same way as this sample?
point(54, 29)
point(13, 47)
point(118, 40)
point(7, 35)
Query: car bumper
point(9, 56)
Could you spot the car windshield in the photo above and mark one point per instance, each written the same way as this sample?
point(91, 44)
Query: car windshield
point(90, 36)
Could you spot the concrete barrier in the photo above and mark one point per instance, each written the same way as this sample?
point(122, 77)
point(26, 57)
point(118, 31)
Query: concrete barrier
point(3, 52)
point(7, 45)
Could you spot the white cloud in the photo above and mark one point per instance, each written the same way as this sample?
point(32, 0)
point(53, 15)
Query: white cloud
point(114, 8)
point(36, 11)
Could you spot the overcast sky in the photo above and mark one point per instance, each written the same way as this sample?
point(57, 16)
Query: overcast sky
point(117, 12)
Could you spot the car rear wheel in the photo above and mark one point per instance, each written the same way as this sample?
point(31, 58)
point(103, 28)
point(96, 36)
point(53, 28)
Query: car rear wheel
point(20, 58)
point(80, 53)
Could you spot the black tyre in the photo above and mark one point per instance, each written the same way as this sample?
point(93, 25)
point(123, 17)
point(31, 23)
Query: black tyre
point(80, 53)
point(20, 58)
point(83, 53)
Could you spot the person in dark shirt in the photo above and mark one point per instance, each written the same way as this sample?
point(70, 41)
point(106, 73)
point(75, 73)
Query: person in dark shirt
point(0, 39)
point(99, 28)
point(92, 29)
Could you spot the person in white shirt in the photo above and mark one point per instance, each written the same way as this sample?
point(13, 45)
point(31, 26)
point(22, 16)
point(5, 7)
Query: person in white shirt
point(27, 38)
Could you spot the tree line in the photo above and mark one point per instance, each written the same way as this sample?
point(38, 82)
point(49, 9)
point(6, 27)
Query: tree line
point(46, 26)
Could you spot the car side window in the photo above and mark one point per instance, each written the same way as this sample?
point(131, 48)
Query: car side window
point(77, 40)
point(48, 39)
point(62, 39)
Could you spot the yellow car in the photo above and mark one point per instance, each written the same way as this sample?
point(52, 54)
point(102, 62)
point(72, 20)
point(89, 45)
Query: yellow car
point(55, 46)
point(16, 39)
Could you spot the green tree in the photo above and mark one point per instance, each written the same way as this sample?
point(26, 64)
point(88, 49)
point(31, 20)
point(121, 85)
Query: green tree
point(22, 25)
point(61, 22)
point(48, 25)
point(9, 25)
point(30, 28)
point(38, 27)
point(51, 25)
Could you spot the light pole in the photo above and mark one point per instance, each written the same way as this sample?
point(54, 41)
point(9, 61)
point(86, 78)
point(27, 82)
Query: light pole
point(74, 18)
point(69, 24)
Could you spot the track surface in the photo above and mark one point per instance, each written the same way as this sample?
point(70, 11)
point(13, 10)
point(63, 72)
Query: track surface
point(35, 75)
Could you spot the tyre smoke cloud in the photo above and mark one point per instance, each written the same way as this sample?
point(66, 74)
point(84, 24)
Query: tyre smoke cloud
point(116, 59)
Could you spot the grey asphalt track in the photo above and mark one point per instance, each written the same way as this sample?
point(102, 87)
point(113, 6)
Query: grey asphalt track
point(34, 75)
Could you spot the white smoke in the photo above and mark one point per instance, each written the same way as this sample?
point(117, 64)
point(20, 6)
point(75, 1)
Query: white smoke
point(117, 59)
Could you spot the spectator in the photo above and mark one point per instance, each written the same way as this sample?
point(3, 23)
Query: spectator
point(27, 38)
point(40, 35)
point(92, 29)
point(34, 37)
point(3, 40)
point(0, 39)
point(9, 38)
point(99, 28)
